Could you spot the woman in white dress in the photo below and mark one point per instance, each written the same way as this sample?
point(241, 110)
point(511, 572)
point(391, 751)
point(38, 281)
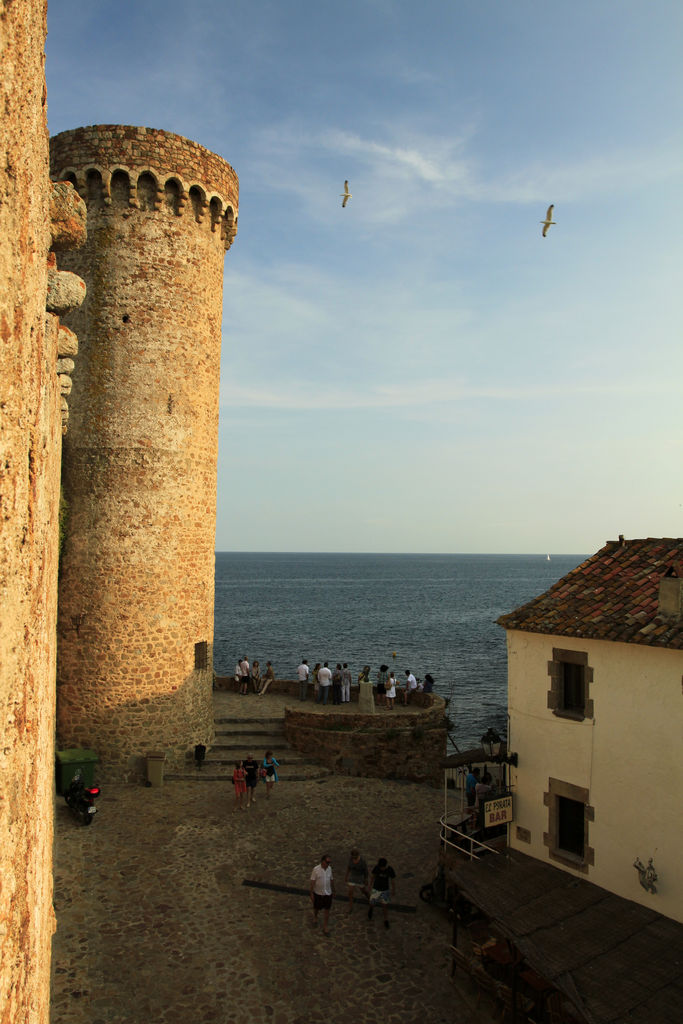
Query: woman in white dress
point(390, 690)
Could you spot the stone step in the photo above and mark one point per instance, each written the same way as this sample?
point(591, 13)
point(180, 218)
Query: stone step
point(256, 747)
point(234, 736)
point(237, 743)
point(223, 773)
point(259, 734)
point(237, 723)
point(283, 757)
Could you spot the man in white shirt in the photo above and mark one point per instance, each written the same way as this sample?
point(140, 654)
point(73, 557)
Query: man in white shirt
point(322, 889)
point(244, 675)
point(411, 686)
point(346, 684)
point(324, 683)
point(302, 673)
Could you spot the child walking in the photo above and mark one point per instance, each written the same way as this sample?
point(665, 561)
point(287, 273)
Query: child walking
point(269, 767)
point(239, 779)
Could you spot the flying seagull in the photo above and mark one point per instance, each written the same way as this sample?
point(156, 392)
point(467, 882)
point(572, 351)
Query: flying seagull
point(548, 219)
point(345, 195)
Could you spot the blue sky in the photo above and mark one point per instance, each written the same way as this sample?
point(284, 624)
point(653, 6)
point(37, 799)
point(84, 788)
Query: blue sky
point(422, 371)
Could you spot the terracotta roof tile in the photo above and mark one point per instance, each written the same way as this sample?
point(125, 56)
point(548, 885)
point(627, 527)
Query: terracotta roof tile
point(614, 595)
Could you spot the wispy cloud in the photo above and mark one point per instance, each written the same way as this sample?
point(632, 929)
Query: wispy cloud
point(391, 177)
point(433, 164)
point(424, 394)
point(587, 178)
point(405, 170)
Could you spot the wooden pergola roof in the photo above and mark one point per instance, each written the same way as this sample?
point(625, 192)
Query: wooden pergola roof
point(476, 756)
point(617, 961)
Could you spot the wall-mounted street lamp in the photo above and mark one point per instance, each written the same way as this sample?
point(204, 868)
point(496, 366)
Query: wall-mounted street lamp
point(647, 876)
point(492, 744)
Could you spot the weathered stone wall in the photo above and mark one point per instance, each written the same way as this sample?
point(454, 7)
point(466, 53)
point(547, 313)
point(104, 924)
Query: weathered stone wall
point(411, 745)
point(30, 442)
point(137, 573)
point(65, 291)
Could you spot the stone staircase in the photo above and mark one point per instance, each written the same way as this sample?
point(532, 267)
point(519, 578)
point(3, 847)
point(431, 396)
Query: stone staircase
point(236, 738)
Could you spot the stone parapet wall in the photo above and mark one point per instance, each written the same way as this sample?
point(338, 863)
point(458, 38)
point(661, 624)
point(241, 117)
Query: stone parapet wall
point(152, 170)
point(291, 687)
point(288, 686)
point(406, 745)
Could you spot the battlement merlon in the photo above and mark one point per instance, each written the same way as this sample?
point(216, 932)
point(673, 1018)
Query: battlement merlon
point(150, 168)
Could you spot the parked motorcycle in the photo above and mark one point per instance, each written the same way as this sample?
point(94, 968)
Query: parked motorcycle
point(81, 799)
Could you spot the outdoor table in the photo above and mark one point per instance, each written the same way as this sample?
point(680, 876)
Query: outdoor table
point(535, 981)
point(500, 953)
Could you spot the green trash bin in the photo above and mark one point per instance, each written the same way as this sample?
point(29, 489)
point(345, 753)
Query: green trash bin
point(155, 768)
point(71, 761)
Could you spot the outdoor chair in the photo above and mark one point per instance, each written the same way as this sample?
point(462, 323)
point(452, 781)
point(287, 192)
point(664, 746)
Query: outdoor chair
point(484, 982)
point(480, 936)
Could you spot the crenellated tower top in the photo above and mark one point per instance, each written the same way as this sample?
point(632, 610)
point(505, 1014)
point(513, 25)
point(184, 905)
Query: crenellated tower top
point(148, 169)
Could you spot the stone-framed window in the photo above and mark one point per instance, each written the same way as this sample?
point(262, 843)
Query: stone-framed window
point(570, 680)
point(201, 655)
point(569, 817)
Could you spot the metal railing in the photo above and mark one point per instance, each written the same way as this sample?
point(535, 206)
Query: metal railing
point(451, 835)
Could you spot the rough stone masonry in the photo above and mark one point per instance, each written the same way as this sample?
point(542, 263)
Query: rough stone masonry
point(136, 592)
point(35, 367)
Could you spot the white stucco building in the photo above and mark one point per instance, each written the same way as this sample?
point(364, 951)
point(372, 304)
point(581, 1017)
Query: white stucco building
point(595, 693)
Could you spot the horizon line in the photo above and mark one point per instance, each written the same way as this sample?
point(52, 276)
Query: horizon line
point(423, 554)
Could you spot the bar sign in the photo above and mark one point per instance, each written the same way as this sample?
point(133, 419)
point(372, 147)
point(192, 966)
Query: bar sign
point(497, 812)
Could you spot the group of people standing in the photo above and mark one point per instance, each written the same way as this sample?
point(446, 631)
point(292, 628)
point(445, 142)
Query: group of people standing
point(246, 776)
point(387, 686)
point(340, 678)
point(325, 679)
point(247, 675)
point(477, 787)
point(377, 886)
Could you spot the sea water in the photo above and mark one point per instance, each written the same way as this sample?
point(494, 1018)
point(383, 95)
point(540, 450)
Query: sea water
point(426, 613)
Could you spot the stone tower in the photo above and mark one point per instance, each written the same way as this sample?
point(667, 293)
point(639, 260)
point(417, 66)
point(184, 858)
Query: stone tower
point(136, 593)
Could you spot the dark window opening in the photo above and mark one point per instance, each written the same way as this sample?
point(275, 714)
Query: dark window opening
point(172, 195)
point(147, 191)
point(228, 228)
point(571, 826)
point(571, 678)
point(120, 188)
point(198, 202)
point(94, 189)
point(215, 210)
point(201, 655)
point(573, 693)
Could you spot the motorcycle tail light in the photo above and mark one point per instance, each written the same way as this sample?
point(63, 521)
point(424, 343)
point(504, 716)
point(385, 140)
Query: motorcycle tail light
point(93, 791)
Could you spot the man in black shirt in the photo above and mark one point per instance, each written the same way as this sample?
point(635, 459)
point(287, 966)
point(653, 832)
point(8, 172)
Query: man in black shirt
point(383, 888)
point(251, 768)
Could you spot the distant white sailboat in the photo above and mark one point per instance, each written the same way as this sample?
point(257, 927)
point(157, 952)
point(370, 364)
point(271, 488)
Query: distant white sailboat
point(547, 558)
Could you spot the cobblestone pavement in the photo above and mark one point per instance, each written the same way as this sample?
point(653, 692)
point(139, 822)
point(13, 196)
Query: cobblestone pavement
point(155, 924)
